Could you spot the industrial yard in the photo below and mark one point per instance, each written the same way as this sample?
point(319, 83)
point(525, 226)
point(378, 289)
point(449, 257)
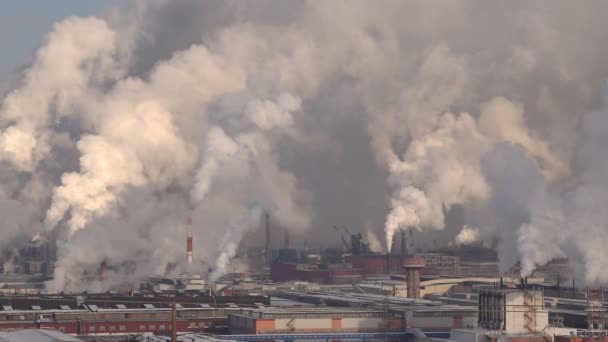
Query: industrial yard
point(358, 295)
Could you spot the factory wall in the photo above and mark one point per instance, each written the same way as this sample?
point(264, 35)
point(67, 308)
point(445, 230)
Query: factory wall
point(374, 264)
point(303, 324)
point(248, 325)
point(569, 338)
point(115, 327)
point(282, 272)
point(441, 320)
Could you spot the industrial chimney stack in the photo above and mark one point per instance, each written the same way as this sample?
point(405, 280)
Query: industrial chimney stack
point(412, 268)
point(189, 240)
point(103, 271)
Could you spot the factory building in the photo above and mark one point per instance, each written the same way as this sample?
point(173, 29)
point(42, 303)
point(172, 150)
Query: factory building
point(316, 273)
point(38, 256)
point(107, 314)
point(313, 320)
point(511, 315)
point(371, 264)
point(513, 311)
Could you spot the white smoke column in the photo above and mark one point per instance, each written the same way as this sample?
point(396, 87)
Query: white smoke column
point(229, 243)
point(442, 168)
point(573, 224)
point(439, 169)
point(219, 147)
point(246, 154)
point(374, 243)
point(114, 159)
point(467, 235)
point(540, 241)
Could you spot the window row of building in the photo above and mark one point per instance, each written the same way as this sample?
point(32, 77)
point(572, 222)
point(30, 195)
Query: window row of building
point(329, 314)
point(418, 314)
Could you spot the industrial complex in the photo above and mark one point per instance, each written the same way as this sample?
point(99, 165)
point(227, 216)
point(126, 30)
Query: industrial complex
point(351, 294)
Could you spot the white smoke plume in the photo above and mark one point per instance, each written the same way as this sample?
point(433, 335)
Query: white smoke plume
point(374, 243)
point(125, 122)
point(442, 167)
point(232, 237)
point(467, 235)
point(571, 223)
point(52, 89)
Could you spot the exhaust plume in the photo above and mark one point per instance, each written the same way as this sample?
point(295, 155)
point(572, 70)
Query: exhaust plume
point(395, 115)
point(467, 235)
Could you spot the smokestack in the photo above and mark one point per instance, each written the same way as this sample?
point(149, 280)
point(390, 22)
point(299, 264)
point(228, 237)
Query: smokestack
point(412, 269)
point(403, 246)
point(411, 232)
point(103, 271)
point(286, 239)
point(501, 283)
point(388, 263)
point(189, 240)
point(267, 247)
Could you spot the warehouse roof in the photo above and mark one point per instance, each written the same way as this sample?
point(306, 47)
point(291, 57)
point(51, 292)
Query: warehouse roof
point(36, 335)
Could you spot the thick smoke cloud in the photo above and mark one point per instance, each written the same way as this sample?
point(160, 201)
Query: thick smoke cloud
point(381, 117)
point(571, 223)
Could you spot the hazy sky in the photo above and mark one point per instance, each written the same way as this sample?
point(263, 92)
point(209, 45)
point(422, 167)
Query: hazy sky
point(24, 23)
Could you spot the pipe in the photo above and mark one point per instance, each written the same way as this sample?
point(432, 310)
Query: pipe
point(173, 322)
point(189, 240)
point(189, 243)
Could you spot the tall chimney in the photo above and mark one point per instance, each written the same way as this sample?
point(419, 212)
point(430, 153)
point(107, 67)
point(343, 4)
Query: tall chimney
point(103, 271)
point(286, 239)
point(267, 248)
point(189, 240)
point(403, 246)
point(412, 269)
point(388, 263)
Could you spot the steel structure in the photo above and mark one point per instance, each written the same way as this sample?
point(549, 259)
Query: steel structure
point(595, 312)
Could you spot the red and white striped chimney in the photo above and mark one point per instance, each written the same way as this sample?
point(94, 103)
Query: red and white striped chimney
point(189, 240)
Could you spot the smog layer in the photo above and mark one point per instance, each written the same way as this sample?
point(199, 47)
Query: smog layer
point(383, 116)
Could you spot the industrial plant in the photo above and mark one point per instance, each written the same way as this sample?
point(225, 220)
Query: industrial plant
point(347, 293)
point(288, 170)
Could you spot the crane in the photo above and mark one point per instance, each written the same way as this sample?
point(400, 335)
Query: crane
point(344, 242)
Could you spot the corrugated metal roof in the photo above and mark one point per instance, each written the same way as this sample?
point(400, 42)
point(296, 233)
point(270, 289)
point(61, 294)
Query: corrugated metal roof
point(36, 335)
